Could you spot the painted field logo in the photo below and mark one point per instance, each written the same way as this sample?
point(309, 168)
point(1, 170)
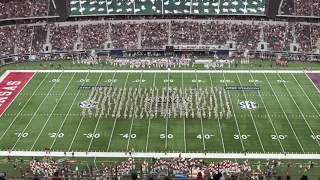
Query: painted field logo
point(87, 104)
point(248, 105)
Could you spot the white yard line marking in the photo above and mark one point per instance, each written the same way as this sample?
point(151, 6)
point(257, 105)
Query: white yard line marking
point(285, 114)
point(299, 109)
point(201, 121)
point(115, 121)
point(153, 85)
point(234, 114)
point(133, 117)
point(168, 155)
point(23, 107)
point(172, 71)
point(44, 99)
point(312, 82)
point(253, 120)
point(52, 112)
point(95, 129)
point(167, 115)
point(221, 135)
point(274, 129)
point(184, 118)
point(74, 100)
point(306, 95)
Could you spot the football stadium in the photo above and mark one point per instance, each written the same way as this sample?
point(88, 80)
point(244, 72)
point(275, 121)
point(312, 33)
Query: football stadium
point(175, 89)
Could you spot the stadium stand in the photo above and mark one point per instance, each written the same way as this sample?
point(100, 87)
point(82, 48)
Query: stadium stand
point(63, 37)
point(94, 35)
point(125, 35)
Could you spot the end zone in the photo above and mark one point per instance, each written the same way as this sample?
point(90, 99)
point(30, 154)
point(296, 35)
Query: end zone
point(11, 85)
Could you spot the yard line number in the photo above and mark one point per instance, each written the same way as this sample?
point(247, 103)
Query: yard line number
point(55, 80)
point(92, 135)
point(206, 136)
point(254, 81)
point(197, 80)
point(315, 137)
point(84, 80)
point(111, 80)
point(139, 80)
point(168, 80)
point(237, 136)
point(275, 137)
point(128, 135)
point(282, 81)
point(53, 135)
point(163, 136)
point(21, 134)
point(225, 81)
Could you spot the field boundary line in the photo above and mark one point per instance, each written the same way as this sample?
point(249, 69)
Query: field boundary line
point(306, 95)
point(171, 71)
point(95, 129)
point(115, 120)
point(233, 111)
point(149, 124)
point(274, 129)
point(312, 82)
point(23, 107)
point(75, 98)
point(201, 120)
point(224, 150)
point(285, 114)
point(133, 116)
point(163, 155)
point(44, 99)
point(299, 109)
point(253, 120)
point(52, 113)
point(4, 75)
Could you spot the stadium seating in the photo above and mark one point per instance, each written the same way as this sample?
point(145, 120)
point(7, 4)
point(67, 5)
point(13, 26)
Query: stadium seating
point(157, 34)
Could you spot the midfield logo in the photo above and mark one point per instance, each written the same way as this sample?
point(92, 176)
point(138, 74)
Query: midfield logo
point(87, 104)
point(250, 105)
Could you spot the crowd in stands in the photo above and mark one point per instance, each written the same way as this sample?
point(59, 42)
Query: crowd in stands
point(155, 35)
point(168, 168)
point(300, 7)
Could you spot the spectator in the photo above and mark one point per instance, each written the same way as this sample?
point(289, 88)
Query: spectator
point(199, 176)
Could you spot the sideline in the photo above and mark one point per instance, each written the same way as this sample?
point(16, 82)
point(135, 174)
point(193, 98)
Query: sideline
point(162, 155)
point(165, 71)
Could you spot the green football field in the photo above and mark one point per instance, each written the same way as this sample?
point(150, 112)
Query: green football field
point(281, 117)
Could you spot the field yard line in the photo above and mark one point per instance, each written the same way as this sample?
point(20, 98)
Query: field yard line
point(162, 155)
point(23, 107)
point(274, 129)
point(306, 95)
point(52, 112)
point(35, 113)
point(312, 83)
point(201, 121)
point(115, 121)
point(299, 109)
point(167, 115)
point(172, 71)
point(234, 114)
point(153, 85)
point(224, 150)
point(133, 117)
point(95, 129)
point(184, 119)
point(254, 123)
point(285, 114)
point(75, 98)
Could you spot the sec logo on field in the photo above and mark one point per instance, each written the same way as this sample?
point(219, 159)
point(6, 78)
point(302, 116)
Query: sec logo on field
point(251, 105)
point(87, 104)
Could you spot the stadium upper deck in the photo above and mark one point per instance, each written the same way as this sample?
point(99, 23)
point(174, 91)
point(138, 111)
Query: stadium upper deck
point(142, 7)
point(29, 8)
